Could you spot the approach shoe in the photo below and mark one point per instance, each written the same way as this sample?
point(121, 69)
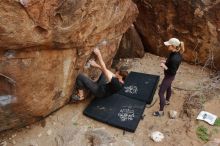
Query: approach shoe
point(167, 102)
point(158, 113)
point(74, 98)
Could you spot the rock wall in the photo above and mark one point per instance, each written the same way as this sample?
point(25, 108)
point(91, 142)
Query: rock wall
point(131, 45)
point(196, 22)
point(45, 44)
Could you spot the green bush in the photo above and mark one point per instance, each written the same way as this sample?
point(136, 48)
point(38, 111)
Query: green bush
point(202, 133)
point(217, 122)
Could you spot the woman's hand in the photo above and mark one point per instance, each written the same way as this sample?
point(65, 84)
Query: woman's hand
point(97, 51)
point(93, 63)
point(108, 74)
point(163, 61)
point(163, 66)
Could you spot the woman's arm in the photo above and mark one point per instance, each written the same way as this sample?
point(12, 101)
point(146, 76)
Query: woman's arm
point(163, 66)
point(106, 72)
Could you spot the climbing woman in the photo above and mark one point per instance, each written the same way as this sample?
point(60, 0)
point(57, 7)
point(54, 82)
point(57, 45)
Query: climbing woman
point(107, 84)
point(170, 66)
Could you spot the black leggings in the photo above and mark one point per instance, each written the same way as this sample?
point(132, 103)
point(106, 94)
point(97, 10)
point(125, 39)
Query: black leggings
point(165, 87)
point(96, 88)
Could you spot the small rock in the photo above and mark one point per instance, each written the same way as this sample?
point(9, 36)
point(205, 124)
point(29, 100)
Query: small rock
point(4, 143)
point(14, 142)
point(215, 142)
point(157, 136)
point(99, 137)
point(173, 114)
point(49, 132)
point(124, 143)
point(13, 136)
point(171, 122)
point(33, 143)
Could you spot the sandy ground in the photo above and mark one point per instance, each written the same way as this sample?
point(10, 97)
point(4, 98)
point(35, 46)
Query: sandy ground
point(69, 127)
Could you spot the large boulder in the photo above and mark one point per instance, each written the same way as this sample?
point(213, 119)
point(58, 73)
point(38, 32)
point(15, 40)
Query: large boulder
point(131, 45)
point(196, 22)
point(45, 44)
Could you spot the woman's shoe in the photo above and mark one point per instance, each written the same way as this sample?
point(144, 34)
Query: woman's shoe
point(74, 98)
point(158, 113)
point(167, 102)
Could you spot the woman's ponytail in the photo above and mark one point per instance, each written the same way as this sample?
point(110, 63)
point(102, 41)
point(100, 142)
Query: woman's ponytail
point(181, 48)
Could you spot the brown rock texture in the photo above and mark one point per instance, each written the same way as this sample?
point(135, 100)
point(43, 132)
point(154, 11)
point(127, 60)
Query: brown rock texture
point(131, 45)
point(196, 22)
point(45, 44)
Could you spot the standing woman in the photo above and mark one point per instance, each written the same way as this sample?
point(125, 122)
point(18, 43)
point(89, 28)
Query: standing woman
point(170, 67)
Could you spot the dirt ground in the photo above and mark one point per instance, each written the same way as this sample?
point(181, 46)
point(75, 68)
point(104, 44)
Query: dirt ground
point(69, 127)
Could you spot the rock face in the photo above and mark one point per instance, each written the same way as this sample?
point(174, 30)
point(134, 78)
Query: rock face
point(197, 23)
point(45, 44)
point(131, 45)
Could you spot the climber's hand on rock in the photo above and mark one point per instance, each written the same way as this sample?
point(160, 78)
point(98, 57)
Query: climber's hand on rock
point(93, 63)
point(97, 51)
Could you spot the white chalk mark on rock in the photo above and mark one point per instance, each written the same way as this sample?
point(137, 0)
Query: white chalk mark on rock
point(24, 2)
point(7, 99)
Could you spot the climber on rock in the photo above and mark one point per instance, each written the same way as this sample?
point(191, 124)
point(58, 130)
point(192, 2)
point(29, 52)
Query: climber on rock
point(107, 84)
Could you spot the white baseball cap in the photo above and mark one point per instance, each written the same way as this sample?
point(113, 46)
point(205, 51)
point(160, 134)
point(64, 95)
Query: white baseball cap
point(173, 41)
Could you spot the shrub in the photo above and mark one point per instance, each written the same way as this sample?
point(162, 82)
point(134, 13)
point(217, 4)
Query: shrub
point(217, 122)
point(202, 133)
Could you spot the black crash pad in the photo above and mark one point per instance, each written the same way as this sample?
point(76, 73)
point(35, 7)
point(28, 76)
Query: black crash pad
point(125, 108)
point(117, 110)
point(140, 86)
